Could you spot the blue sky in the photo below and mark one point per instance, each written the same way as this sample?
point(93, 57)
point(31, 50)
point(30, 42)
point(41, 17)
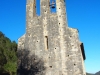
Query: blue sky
point(82, 14)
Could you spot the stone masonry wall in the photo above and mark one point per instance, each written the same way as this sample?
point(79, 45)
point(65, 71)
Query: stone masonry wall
point(52, 43)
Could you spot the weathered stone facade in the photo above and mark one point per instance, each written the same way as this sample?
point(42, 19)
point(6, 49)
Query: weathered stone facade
point(54, 48)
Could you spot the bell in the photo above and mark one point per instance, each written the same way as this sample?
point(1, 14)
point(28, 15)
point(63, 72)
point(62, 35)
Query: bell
point(52, 4)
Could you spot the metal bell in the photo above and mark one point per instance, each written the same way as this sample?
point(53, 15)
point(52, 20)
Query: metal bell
point(52, 4)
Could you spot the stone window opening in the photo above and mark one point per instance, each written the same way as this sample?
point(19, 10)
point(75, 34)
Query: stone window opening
point(46, 42)
point(82, 51)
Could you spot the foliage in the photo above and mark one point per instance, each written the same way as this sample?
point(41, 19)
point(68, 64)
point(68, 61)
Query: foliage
point(88, 74)
point(8, 58)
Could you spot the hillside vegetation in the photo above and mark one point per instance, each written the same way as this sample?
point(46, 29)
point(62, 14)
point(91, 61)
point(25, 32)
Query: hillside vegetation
point(8, 58)
point(89, 74)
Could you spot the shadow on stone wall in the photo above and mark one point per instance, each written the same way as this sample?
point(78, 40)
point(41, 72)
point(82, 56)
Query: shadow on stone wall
point(29, 64)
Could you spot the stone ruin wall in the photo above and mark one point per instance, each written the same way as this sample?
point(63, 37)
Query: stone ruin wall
point(50, 39)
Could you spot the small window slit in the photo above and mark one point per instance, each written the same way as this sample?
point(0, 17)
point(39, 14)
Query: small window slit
point(46, 42)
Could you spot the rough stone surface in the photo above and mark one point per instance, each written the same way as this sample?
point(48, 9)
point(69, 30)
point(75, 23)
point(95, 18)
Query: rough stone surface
point(53, 48)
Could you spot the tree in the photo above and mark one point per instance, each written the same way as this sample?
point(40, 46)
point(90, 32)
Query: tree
point(8, 57)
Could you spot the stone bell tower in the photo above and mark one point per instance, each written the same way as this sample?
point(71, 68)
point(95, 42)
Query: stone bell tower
point(49, 46)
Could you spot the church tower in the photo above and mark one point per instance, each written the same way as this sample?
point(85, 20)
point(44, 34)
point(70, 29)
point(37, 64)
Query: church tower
point(49, 46)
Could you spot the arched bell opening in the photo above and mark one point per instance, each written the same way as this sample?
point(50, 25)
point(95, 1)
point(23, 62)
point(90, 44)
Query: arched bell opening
point(37, 7)
point(52, 6)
